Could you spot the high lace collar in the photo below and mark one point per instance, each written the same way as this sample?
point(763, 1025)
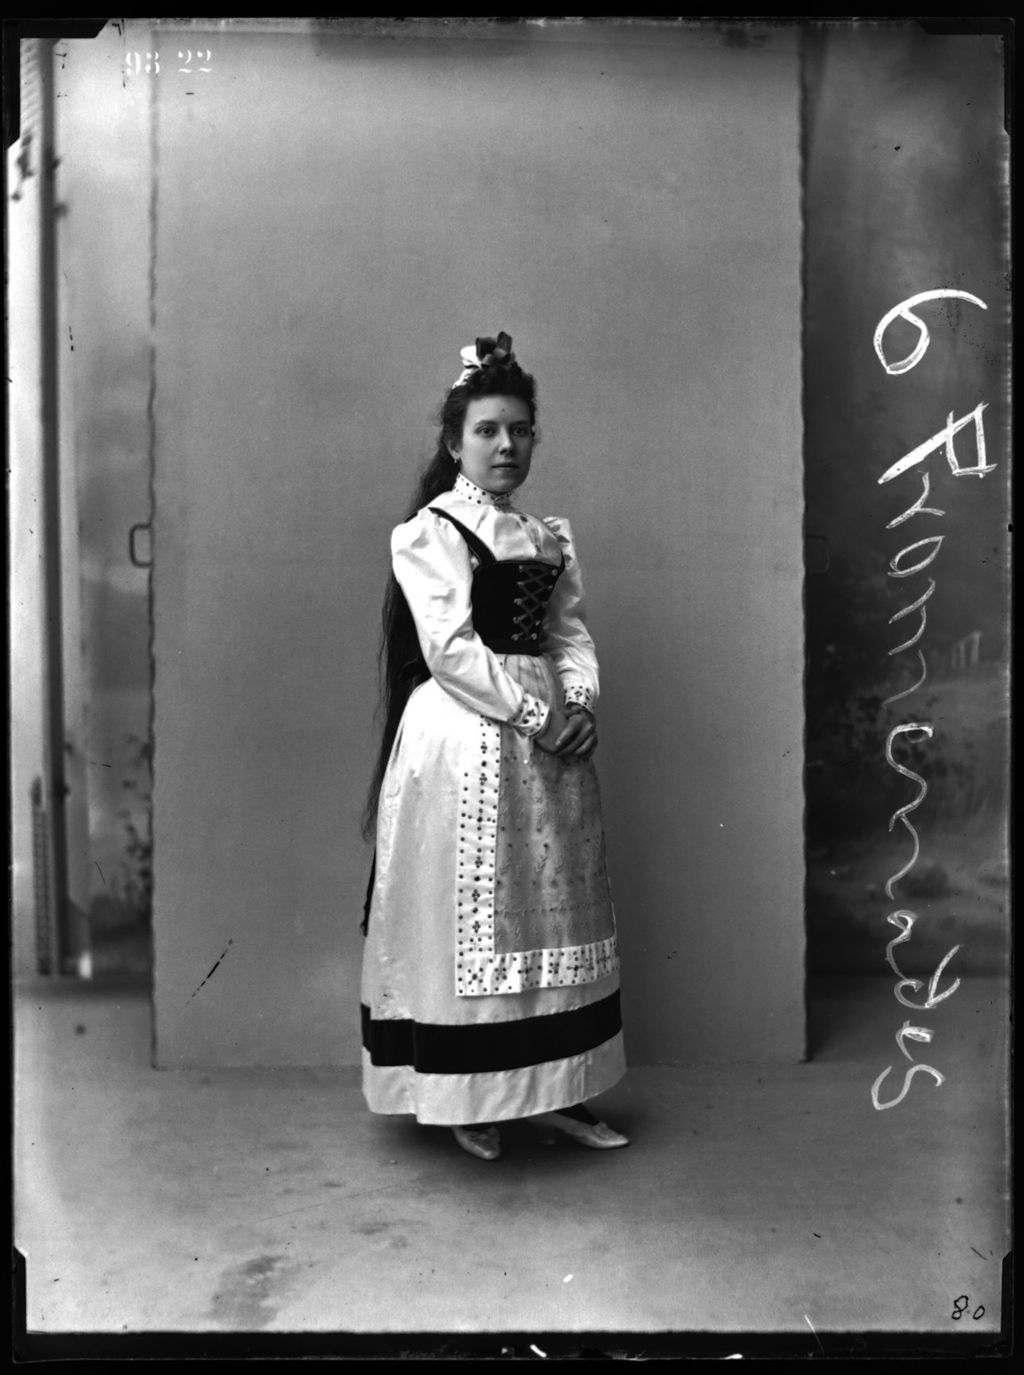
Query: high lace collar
point(501, 501)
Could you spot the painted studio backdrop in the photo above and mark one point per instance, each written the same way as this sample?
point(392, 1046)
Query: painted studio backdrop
point(273, 245)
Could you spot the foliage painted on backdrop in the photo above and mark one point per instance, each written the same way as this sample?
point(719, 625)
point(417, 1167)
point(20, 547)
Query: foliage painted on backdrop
point(924, 552)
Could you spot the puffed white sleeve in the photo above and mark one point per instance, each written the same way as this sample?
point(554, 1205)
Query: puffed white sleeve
point(432, 564)
point(566, 638)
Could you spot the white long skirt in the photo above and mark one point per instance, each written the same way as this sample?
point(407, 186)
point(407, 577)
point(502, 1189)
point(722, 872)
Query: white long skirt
point(490, 974)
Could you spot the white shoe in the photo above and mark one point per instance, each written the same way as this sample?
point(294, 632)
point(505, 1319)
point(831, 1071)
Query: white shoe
point(484, 1142)
point(597, 1135)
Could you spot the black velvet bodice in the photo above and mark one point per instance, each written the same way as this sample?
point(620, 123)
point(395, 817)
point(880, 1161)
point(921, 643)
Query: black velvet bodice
point(509, 596)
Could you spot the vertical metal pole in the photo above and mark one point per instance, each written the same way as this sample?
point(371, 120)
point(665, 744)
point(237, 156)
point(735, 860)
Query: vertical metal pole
point(49, 400)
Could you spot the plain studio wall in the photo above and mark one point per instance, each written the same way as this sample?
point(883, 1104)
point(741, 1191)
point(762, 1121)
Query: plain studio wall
point(334, 216)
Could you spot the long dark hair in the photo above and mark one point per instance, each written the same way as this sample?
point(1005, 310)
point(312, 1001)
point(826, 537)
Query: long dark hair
point(400, 660)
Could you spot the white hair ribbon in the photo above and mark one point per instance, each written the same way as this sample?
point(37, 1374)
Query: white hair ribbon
point(470, 363)
point(472, 360)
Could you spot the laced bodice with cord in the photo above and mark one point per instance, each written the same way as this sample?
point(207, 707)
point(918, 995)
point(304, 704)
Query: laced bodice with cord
point(484, 580)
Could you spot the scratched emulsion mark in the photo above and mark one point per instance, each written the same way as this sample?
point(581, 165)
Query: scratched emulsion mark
point(811, 1326)
point(213, 970)
point(923, 553)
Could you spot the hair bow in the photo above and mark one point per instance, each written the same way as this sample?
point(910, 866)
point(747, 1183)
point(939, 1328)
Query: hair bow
point(473, 358)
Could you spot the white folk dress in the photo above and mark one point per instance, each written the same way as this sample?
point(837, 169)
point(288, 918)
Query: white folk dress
point(490, 978)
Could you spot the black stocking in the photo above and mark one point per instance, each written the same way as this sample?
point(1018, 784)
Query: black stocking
point(581, 1113)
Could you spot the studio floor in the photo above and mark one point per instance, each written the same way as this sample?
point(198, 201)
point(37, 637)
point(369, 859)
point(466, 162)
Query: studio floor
point(755, 1198)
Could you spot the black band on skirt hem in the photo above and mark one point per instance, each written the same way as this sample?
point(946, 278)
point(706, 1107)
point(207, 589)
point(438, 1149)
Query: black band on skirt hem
point(486, 1047)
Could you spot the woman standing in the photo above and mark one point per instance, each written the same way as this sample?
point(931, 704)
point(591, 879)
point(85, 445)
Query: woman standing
point(490, 978)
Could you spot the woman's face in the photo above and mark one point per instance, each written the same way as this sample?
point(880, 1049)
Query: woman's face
point(497, 443)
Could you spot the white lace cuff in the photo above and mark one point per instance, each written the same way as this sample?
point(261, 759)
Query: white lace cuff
point(532, 716)
point(577, 695)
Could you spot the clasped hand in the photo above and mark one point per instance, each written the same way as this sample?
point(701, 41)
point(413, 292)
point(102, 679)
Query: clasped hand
point(565, 734)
